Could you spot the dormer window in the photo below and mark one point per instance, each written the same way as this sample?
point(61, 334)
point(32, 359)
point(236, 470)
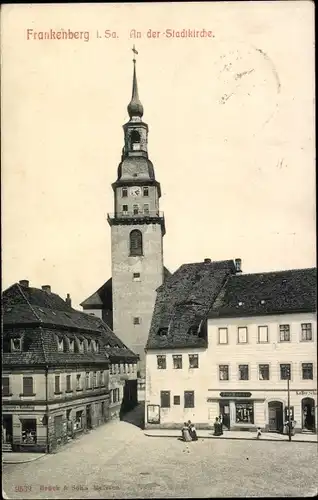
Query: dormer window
point(193, 330)
point(93, 346)
point(97, 347)
point(135, 140)
point(81, 345)
point(71, 345)
point(16, 344)
point(60, 344)
point(162, 332)
point(88, 345)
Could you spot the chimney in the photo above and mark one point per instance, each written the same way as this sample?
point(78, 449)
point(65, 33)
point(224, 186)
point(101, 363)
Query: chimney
point(68, 300)
point(46, 288)
point(238, 265)
point(24, 283)
point(207, 261)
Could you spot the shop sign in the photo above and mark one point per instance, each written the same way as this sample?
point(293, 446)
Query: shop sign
point(306, 393)
point(235, 394)
point(22, 407)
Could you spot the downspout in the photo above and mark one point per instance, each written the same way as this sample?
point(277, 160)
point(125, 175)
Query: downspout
point(47, 408)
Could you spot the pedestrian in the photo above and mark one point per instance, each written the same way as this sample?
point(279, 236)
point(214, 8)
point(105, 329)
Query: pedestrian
point(258, 433)
point(185, 433)
point(217, 428)
point(221, 424)
point(192, 431)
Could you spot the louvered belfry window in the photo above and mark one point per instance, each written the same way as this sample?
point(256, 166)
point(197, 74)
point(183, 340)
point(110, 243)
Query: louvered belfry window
point(135, 242)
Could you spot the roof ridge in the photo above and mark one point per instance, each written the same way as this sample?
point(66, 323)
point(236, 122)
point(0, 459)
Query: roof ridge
point(25, 297)
point(279, 271)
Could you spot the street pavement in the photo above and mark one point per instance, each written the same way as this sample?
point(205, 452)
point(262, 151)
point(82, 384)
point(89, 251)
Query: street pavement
point(118, 460)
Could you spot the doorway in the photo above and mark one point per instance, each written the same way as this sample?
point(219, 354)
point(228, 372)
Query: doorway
point(89, 416)
point(225, 413)
point(7, 429)
point(275, 416)
point(308, 414)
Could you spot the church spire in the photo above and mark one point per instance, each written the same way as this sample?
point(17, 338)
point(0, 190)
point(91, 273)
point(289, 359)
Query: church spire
point(135, 108)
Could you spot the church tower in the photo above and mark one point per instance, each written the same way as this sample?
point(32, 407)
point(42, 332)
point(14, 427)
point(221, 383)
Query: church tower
point(137, 229)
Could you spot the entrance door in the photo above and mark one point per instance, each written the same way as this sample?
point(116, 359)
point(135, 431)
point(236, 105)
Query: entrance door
point(308, 414)
point(7, 428)
point(89, 416)
point(275, 416)
point(225, 413)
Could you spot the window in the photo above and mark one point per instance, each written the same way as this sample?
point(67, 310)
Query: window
point(135, 209)
point(93, 346)
point(101, 378)
point(88, 345)
point(97, 347)
point(71, 345)
point(57, 389)
point(177, 361)
point(162, 332)
point(263, 372)
point(307, 370)
point(5, 386)
point(223, 336)
point(60, 344)
point(128, 367)
point(262, 334)
point(243, 372)
point(58, 426)
point(176, 400)
point(193, 361)
point(242, 334)
point(94, 380)
point(244, 413)
point(161, 362)
point(78, 382)
point(87, 381)
point(78, 420)
point(136, 321)
point(284, 333)
point(165, 399)
point(135, 140)
point(135, 242)
point(136, 277)
point(28, 428)
point(124, 192)
point(28, 386)
point(306, 331)
point(68, 383)
point(285, 372)
point(189, 399)
point(146, 208)
point(145, 191)
point(125, 209)
point(124, 366)
point(224, 372)
point(16, 345)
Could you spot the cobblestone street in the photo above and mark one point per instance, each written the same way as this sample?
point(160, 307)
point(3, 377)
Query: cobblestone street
point(119, 461)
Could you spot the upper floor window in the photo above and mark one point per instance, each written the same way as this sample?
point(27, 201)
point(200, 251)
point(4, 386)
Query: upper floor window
point(94, 380)
point(87, 381)
point(263, 372)
point(223, 336)
point(262, 334)
point(16, 344)
point(165, 399)
point(146, 208)
point(285, 371)
point(101, 378)
point(242, 334)
point(135, 140)
point(161, 362)
point(78, 382)
point(284, 333)
point(145, 191)
point(5, 386)
point(135, 242)
point(125, 209)
point(124, 192)
point(28, 386)
point(243, 372)
point(193, 361)
point(307, 371)
point(306, 331)
point(68, 383)
point(57, 384)
point(135, 209)
point(177, 361)
point(136, 320)
point(224, 372)
point(189, 399)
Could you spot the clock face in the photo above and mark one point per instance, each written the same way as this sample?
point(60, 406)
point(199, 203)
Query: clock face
point(135, 191)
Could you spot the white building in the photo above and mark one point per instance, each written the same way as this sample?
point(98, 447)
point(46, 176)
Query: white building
point(223, 343)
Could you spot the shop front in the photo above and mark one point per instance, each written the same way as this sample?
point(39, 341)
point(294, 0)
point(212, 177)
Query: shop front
point(239, 410)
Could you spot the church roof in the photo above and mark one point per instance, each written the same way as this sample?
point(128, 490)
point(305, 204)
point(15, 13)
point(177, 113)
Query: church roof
point(183, 302)
point(278, 292)
point(39, 317)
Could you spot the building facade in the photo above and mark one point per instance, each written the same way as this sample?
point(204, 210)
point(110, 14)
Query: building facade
point(55, 374)
point(137, 230)
point(260, 331)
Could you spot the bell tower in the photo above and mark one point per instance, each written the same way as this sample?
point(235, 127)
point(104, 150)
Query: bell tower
point(137, 229)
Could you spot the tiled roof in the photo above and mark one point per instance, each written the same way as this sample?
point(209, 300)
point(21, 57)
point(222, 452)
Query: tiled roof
point(277, 292)
point(183, 302)
point(39, 316)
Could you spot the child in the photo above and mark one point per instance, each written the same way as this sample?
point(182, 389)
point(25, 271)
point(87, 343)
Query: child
point(259, 433)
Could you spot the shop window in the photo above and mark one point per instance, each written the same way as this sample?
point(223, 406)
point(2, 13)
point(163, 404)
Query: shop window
point(68, 383)
point(177, 361)
point(28, 386)
point(243, 372)
point(16, 344)
point(285, 371)
point(58, 426)
point(242, 334)
point(307, 371)
point(193, 361)
point(5, 386)
point(28, 428)
point(189, 399)
point(124, 192)
point(223, 336)
point(57, 389)
point(262, 334)
point(284, 333)
point(176, 400)
point(224, 372)
point(78, 382)
point(161, 362)
point(78, 420)
point(145, 191)
point(165, 399)
point(306, 331)
point(244, 413)
point(263, 371)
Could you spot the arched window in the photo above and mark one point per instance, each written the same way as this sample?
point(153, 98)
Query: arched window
point(135, 140)
point(135, 242)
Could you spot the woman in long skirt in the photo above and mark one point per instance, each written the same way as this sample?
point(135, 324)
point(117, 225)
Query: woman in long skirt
point(185, 433)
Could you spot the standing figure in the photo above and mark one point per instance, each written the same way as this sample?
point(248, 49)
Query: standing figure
point(221, 424)
point(192, 431)
point(258, 433)
point(185, 433)
point(217, 428)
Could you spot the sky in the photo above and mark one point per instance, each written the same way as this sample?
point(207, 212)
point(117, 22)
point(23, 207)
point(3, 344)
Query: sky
point(231, 135)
